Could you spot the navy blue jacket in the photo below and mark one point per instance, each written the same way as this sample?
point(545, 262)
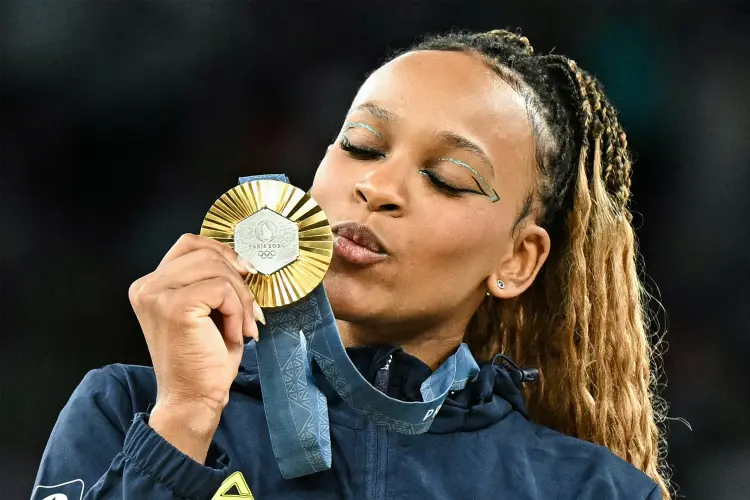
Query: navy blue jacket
point(481, 445)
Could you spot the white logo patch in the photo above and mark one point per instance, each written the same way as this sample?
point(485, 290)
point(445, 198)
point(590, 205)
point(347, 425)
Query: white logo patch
point(431, 413)
point(71, 490)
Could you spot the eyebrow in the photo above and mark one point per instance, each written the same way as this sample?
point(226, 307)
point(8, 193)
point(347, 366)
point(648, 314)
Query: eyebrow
point(459, 142)
point(452, 139)
point(376, 111)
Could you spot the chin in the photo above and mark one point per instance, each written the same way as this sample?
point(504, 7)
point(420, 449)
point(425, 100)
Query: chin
point(350, 301)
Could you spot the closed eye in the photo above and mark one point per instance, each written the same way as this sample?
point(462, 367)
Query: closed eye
point(443, 186)
point(360, 152)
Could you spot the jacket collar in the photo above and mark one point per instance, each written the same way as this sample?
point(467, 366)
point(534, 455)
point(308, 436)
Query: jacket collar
point(487, 400)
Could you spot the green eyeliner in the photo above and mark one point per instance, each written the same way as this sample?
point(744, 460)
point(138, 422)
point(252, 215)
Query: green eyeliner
point(493, 196)
point(349, 125)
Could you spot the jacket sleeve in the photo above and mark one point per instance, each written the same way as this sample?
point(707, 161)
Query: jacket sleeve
point(100, 449)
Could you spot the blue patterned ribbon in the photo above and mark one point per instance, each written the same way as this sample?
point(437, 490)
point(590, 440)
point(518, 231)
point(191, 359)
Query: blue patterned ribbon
point(297, 411)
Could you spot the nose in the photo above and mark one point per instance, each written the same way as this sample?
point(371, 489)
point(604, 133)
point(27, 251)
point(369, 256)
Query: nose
point(382, 189)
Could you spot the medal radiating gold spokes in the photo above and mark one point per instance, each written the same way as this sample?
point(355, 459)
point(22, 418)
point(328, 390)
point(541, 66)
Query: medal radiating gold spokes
point(281, 230)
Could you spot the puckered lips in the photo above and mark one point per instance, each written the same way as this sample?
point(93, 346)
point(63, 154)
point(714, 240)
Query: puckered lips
point(358, 244)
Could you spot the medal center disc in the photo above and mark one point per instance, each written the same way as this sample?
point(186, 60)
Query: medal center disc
point(268, 240)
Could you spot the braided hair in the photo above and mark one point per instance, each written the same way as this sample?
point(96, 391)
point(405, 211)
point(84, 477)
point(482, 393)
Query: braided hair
point(583, 322)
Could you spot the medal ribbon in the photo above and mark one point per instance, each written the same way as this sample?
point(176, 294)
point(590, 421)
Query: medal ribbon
point(297, 411)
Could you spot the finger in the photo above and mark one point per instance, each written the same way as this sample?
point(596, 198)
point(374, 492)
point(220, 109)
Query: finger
point(251, 331)
point(198, 265)
point(203, 264)
point(190, 242)
point(214, 294)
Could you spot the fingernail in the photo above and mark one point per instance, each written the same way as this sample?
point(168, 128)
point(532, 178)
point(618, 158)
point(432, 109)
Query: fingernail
point(254, 333)
point(247, 265)
point(259, 313)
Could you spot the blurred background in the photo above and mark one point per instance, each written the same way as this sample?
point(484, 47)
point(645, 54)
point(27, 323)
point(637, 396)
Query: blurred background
point(122, 121)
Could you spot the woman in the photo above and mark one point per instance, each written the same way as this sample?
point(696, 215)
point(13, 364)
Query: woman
point(489, 189)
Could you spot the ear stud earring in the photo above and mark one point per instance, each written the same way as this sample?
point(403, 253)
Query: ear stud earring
point(500, 285)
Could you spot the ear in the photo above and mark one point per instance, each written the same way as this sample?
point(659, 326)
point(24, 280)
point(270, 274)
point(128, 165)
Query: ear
point(518, 268)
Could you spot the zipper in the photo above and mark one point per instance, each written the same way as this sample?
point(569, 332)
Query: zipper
point(376, 457)
point(381, 378)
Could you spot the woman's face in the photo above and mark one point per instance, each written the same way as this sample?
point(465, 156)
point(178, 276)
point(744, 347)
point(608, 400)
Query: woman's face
point(436, 158)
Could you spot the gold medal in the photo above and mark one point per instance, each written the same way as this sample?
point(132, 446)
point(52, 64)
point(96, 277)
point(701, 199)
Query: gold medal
point(281, 230)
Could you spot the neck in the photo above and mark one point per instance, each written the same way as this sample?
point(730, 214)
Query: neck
point(432, 346)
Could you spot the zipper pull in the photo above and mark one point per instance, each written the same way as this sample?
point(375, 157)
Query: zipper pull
point(381, 378)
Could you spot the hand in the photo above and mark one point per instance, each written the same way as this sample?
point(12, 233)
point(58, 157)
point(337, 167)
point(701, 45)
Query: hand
point(195, 310)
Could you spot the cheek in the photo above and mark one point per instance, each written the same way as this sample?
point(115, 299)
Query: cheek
point(330, 184)
point(454, 243)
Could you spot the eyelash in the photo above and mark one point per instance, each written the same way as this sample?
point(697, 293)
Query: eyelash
point(360, 153)
point(367, 154)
